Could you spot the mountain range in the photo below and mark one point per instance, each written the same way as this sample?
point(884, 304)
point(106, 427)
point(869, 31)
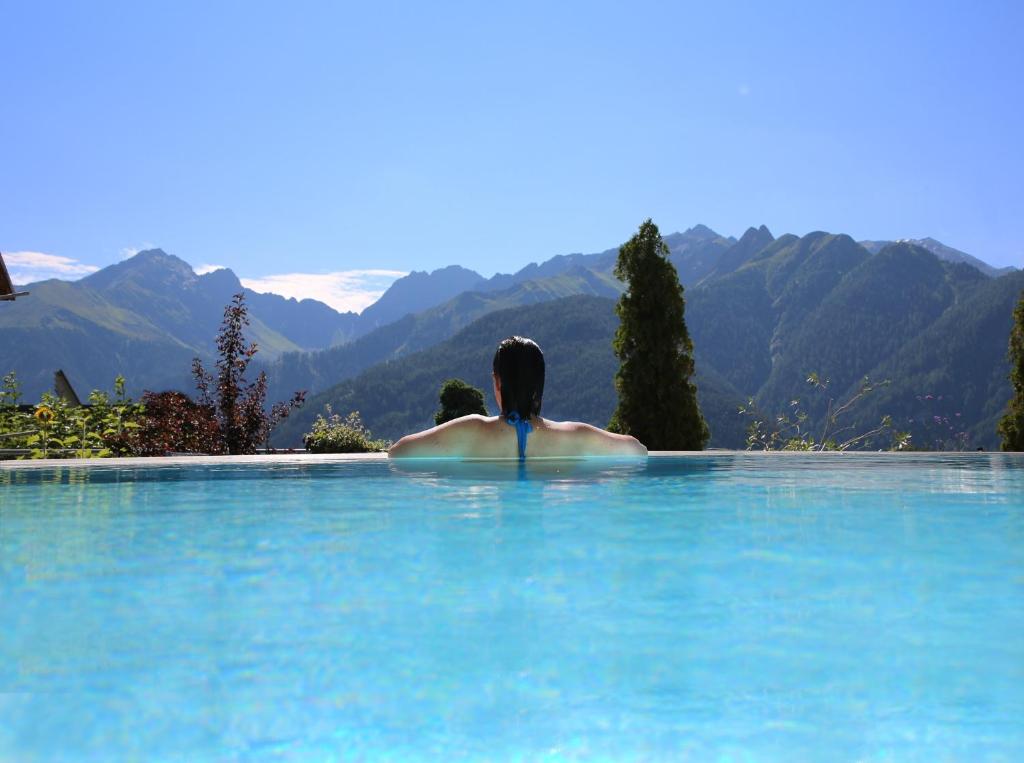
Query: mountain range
point(763, 313)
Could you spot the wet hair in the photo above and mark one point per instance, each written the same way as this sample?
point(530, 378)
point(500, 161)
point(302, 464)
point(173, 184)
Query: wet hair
point(519, 366)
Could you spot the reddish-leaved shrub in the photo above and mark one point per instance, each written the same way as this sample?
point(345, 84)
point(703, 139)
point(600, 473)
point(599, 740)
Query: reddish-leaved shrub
point(174, 423)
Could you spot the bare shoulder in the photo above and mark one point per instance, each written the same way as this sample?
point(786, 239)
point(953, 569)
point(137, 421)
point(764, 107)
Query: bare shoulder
point(453, 438)
point(596, 441)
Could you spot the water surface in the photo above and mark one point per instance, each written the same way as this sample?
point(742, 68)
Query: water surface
point(721, 607)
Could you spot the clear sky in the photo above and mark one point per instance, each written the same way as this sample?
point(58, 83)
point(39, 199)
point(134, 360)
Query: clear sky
point(312, 144)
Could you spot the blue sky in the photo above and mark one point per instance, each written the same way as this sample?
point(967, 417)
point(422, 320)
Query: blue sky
point(330, 146)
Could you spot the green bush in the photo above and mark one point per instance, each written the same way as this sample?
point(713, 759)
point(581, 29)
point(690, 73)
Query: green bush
point(332, 434)
point(459, 399)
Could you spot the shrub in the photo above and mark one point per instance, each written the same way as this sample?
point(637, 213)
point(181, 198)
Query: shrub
point(334, 435)
point(459, 399)
point(791, 431)
point(174, 423)
point(239, 406)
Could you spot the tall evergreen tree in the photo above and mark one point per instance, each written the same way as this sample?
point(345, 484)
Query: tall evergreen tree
point(1011, 426)
point(657, 400)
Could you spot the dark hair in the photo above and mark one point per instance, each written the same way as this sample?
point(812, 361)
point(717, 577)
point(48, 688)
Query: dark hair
point(519, 366)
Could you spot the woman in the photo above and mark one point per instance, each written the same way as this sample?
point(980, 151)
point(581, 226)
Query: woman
point(519, 430)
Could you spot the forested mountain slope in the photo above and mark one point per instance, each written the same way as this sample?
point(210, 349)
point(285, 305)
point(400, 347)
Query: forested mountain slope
point(820, 303)
point(823, 304)
point(763, 314)
point(575, 333)
point(953, 376)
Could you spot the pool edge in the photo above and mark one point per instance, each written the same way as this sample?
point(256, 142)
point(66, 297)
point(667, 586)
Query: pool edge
point(332, 458)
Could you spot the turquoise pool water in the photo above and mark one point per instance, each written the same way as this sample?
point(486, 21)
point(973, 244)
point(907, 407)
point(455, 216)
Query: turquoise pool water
point(723, 607)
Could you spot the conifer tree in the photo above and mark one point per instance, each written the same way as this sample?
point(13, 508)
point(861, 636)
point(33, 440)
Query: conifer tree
point(657, 399)
point(1011, 426)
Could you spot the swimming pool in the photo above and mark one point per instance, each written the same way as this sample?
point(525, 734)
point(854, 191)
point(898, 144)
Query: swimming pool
point(715, 607)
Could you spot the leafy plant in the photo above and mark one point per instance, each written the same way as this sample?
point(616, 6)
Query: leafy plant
point(792, 431)
point(15, 424)
point(56, 429)
point(332, 434)
point(459, 399)
point(240, 406)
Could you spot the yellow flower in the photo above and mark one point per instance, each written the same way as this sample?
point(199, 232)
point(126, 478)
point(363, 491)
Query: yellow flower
point(43, 414)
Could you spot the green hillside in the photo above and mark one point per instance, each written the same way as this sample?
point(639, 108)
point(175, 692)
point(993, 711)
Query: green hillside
point(760, 324)
point(865, 318)
point(400, 396)
point(825, 304)
point(956, 366)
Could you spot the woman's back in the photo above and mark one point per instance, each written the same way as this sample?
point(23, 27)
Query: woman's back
point(492, 437)
point(519, 432)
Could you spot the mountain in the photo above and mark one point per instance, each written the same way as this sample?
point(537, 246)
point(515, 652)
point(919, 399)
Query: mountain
point(696, 252)
point(824, 304)
point(751, 243)
point(64, 325)
point(818, 303)
point(400, 396)
point(415, 292)
point(318, 370)
point(943, 252)
point(308, 323)
point(146, 318)
point(953, 376)
point(881, 303)
point(164, 291)
point(763, 313)
point(740, 323)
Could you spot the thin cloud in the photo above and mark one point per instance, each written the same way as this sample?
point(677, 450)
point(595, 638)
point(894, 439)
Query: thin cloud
point(29, 267)
point(345, 290)
point(131, 251)
point(202, 270)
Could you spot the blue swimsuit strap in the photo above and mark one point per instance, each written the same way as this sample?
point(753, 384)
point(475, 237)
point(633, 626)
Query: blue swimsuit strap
point(523, 429)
